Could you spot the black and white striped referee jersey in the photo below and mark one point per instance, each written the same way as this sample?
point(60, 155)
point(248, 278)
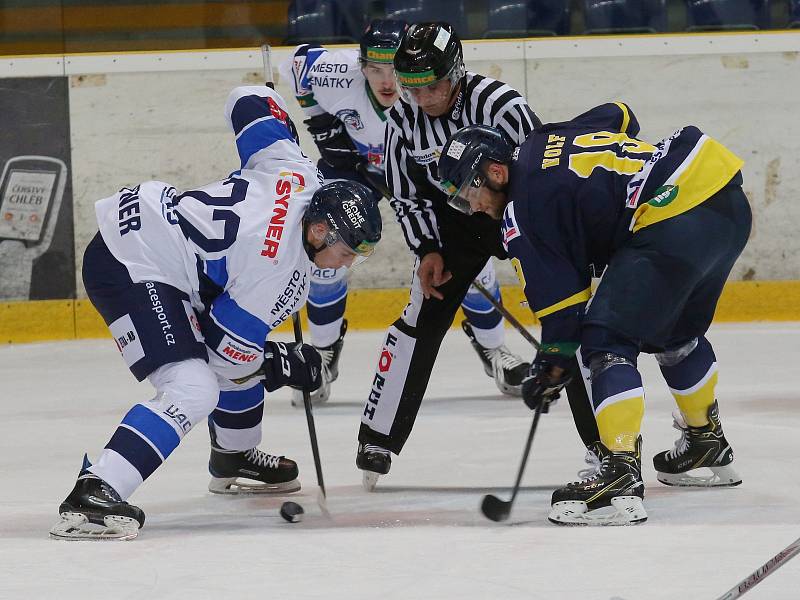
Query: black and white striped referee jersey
point(414, 142)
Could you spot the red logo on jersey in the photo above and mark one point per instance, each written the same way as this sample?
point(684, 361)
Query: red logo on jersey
point(277, 111)
point(385, 361)
point(375, 154)
point(235, 354)
point(284, 191)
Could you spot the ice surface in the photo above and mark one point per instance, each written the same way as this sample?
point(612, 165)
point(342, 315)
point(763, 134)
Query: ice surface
point(420, 535)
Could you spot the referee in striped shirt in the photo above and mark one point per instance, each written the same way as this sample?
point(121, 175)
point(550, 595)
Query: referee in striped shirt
point(438, 97)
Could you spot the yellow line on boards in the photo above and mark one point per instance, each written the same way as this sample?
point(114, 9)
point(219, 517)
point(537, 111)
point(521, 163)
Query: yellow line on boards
point(48, 320)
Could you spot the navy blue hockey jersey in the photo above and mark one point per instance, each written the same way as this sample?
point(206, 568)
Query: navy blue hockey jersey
point(580, 188)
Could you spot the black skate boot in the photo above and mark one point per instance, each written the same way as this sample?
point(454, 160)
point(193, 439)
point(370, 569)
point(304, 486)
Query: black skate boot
point(613, 496)
point(374, 461)
point(507, 369)
point(94, 511)
point(595, 453)
point(698, 448)
point(251, 471)
point(330, 371)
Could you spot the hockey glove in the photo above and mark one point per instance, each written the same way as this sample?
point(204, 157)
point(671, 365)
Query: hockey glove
point(334, 144)
point(297, 365)
point(542, 386)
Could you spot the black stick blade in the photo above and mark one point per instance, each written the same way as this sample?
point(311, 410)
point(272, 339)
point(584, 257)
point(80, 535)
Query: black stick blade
point(495, 509)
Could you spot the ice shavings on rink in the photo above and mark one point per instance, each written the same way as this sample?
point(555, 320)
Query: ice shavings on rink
point(420, 535)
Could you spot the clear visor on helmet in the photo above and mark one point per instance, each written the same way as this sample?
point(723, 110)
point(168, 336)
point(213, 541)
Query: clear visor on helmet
point(470, 190)
point(361, 252)
point(414, 85)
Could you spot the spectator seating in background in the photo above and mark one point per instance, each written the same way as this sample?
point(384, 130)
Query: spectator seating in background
point(343, 21)
point(625, 16)
point(707, 15)
point(794, 13)
point(353, 17)
point(325, 21)
point(527, 18)
point(416, 11)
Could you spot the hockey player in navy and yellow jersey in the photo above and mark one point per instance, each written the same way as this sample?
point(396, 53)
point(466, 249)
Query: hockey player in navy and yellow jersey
point(665, 223)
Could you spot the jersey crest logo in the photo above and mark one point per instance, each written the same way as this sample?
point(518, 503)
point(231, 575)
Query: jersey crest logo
point(510, 229)
point(375, 154)
point(350, 118)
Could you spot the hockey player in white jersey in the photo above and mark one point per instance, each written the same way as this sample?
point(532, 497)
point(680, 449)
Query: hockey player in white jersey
point(191, 284)
point(344, 94)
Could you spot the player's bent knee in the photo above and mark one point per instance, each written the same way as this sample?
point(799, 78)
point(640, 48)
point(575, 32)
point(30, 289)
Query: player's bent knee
point(670, 358)
point(602, 361)
point(598, 341)
point(187, 391)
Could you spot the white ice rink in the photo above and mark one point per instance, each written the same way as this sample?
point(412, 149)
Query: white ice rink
point(420, 536)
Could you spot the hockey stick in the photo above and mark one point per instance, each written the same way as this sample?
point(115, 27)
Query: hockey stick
point(375, 177)
point(507, 315)
point(769, 567)
point(322, 496)
point(266, 56)
point(498, 510)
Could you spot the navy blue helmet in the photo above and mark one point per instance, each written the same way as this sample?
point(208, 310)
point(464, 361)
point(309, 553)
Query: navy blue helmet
point(350, 211)
point(381, 40)
point(464, 158)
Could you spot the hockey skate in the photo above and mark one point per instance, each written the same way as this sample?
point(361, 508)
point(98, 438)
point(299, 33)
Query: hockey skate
point(94, 511)
point(251, 472)
point(507, 369)
point(374, 461)
point(330, 372)
point(595, 453)
point(611, 497)
point(703, 448)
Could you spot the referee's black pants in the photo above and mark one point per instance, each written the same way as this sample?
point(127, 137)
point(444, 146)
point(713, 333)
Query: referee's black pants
point(412, 341)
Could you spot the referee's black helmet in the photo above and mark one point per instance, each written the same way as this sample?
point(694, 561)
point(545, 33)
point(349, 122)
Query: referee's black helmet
point(429, 52)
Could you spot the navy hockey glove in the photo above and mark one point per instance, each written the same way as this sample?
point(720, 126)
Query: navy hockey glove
point(540, 386)
point(334, 144)
point(296, 365)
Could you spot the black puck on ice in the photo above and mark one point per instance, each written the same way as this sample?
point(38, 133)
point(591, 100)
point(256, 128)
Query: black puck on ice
point(292, 512)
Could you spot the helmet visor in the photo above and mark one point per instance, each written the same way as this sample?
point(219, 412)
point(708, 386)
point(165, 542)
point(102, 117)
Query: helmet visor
point(426, 85)
point(359, 254)
point(461, 197)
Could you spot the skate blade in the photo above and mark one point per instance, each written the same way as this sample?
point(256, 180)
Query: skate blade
point(369, 480)
point(720, 477)
point(624, 510)
point(76, 527)
point(504, 387)
point(235, 485)
point(510, 390)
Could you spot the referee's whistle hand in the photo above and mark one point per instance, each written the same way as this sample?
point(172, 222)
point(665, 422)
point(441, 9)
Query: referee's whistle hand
point(431, 275)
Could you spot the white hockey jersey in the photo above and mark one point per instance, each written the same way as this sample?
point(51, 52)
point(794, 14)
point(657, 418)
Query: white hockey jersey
point(332, 82)
point(236, 245)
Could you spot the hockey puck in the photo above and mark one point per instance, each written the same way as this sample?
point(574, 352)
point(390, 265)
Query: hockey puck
point(292, 512)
